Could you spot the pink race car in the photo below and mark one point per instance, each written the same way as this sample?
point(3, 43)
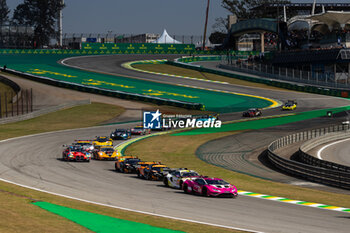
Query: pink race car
point(210, 187)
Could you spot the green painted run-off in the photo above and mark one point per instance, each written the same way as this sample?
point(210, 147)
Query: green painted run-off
point(47, 66)
point(254, 124)
point(101, 223)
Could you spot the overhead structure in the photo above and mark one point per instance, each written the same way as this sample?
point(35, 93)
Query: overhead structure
point(60, 25)
point(333, 19)
point(165, 38)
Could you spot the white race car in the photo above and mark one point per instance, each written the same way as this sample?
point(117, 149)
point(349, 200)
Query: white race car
point(176, 177)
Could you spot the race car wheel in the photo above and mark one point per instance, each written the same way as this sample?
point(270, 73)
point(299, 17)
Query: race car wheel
point(185, 188)
point(205, 192)
point(181, 182)
point(166, 182)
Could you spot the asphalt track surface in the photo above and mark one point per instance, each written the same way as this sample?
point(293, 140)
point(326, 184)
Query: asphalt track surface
point(336, 152)
point(34, 161)
point(112, 65)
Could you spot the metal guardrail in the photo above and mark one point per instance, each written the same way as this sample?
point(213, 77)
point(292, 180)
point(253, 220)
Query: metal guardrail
point(310, 171)
point(14, 86)
point(108, 92)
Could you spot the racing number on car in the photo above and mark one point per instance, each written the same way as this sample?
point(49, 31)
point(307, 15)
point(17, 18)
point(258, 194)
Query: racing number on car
point(197, 188)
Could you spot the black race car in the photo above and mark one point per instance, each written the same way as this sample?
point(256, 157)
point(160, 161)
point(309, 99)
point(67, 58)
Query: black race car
point(253, 112)
point(122, 134)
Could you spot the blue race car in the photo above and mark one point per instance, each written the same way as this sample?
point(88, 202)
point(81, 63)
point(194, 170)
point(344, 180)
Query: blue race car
point(121, 134)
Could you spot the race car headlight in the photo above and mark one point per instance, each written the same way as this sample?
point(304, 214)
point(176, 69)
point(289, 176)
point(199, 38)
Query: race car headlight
point(88, 155)
point(216, 190)
point(124, 135)
point(70, 155)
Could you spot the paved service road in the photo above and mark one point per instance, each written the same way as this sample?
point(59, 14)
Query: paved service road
point(34, 161)
point(336, 152)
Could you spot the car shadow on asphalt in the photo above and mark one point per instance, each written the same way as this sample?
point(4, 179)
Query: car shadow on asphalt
point(346, 217)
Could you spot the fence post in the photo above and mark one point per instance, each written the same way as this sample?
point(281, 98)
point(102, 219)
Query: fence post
point(6, 104)
point(31, 99)
point(17, 103)
point(27, 101)
point(0, 107)
point(12, 104)
point(22, 102)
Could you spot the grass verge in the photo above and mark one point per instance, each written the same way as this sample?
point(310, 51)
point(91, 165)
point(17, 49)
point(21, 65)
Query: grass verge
point(77, 117)
point(169, 69)
point(180, 152)
point(18, 210)
point(19, 215)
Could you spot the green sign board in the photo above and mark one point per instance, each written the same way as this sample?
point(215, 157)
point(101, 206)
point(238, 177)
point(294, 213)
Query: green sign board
point(140, 47)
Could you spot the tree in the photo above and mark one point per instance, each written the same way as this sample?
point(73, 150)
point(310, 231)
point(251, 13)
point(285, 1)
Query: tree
point(4, 12)
point(220, 25)
point(42, 15)
point(217, 37)
point(242, 8)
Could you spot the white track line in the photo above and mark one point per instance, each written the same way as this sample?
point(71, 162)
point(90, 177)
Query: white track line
point(127, 209)
point(326, 146)
point(112, 206)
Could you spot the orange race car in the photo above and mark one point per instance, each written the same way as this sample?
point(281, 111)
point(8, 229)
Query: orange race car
point(127, 164)
point(106, 153)
point(155, 171)
point(141, 167)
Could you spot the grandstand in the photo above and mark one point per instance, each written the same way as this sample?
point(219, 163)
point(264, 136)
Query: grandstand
point(305, 37)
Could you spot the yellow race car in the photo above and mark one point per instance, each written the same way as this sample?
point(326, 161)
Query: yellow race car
point(106, 153)
point(102, 141)
point(290, 105)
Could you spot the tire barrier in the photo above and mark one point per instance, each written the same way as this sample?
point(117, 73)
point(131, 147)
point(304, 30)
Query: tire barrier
point(107, 92)
point(311, 172)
